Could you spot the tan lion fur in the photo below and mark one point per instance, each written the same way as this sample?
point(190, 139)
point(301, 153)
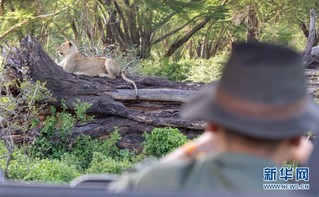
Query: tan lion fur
point(74, 62)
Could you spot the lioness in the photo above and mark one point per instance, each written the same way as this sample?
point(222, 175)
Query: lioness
point(74, 62)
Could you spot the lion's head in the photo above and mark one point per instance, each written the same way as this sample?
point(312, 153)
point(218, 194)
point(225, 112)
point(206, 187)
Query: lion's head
point(67, 48)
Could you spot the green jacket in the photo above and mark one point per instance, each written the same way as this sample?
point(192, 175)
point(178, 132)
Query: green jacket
point(227, 171)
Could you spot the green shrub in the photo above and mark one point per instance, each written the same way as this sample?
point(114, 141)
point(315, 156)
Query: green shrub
point(56, 136)
point(24, 168)
point(80, 111)
point(162, 141)
point(203, 70)
point(81, 152)
point(171, 69)
point(196, 70)
point(104, 164)
point(108, 146)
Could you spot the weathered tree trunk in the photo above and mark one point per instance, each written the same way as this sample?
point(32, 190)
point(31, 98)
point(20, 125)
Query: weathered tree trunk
point(1, 7)
point(305, 31)
point(252, 25)
point(312, 36)
point(113, 101)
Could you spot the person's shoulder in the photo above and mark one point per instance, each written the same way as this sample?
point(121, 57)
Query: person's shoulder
point(154, 177)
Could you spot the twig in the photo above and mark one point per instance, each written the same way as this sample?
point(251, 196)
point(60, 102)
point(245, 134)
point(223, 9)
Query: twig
point(3, 156)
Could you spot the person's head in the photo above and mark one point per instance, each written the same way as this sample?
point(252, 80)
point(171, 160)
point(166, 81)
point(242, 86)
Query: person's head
point(278, 150)
point(260, 106)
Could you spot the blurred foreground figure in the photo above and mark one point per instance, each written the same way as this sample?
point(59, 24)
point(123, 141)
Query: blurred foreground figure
point(257, 116)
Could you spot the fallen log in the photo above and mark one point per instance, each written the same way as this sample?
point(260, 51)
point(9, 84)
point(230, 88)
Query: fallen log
point(113, 100)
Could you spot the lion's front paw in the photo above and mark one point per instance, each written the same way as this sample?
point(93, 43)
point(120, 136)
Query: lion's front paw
point(78, 73)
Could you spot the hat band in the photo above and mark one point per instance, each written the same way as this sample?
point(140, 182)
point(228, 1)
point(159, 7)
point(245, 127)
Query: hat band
point(244, 107)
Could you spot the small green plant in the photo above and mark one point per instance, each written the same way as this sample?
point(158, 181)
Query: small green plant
point(162, 141)
point(103, 164)
point(80, 111)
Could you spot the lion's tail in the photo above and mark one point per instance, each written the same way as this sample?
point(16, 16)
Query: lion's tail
point(130, 81)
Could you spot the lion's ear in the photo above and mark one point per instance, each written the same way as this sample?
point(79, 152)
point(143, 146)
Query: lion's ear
point(70, 44)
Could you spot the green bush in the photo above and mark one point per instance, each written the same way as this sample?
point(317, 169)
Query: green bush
point(162, 141)
point(171, 69)
point(56, 136)
point(80, 111)
point(23, 168)
point(108, 146)
point(196, 70)
point(81, 152)
point(104, 164)
point(203, 70)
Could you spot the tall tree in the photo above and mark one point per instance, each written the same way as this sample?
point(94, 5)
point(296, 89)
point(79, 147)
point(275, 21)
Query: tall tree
point(252, 24)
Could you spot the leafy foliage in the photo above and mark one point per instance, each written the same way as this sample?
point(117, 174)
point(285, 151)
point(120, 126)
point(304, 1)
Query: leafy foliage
point(202, 70)
point(162, 141)
point(23, 168)
point(86, 156)
point(81, 152)
point(84, 147)
point(104, 164)
point(174, 70)
point(55, 137)
point(80, 111)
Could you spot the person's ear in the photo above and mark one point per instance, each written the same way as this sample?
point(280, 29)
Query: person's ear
point(212, 127)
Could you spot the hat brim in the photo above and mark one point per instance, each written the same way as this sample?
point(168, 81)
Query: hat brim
point(203, 107)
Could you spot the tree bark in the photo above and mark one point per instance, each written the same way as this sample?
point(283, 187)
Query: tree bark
point(312, 36)
point(113, 100)
point(252, 26)
point(2, 7)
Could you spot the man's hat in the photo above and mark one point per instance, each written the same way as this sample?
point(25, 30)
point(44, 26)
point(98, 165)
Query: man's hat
point(262, 93)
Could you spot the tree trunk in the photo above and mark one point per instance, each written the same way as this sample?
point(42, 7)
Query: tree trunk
point(113, 100)
point(178, 43)
point(2, 7)
point(312, 36)
point(252, 25)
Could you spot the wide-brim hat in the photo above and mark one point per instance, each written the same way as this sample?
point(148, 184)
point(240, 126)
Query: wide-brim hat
point(262, 93)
